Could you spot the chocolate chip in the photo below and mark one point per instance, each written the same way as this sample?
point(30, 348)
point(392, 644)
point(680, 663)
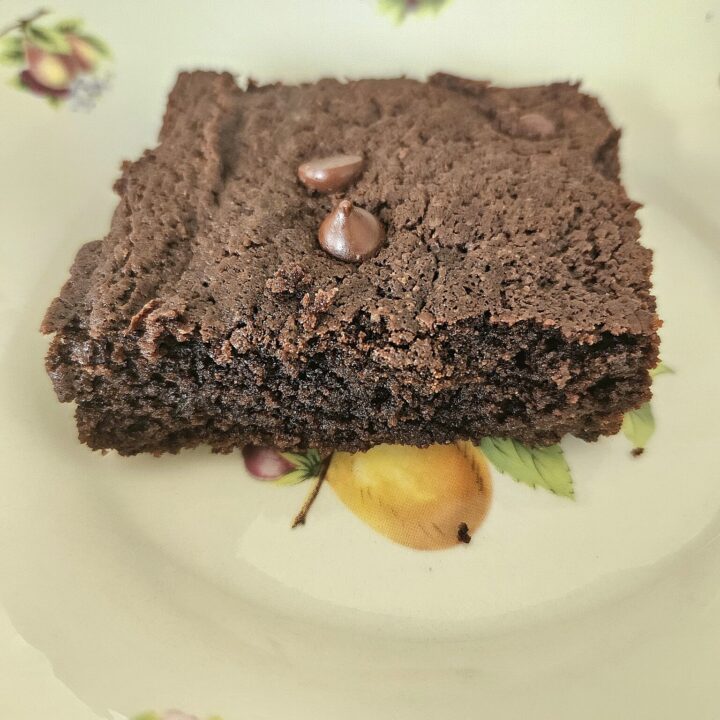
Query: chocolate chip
point(535, 125)
point(330, 174)
point(350, 233)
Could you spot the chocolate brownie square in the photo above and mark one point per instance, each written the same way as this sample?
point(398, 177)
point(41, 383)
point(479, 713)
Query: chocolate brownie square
point(510, 296)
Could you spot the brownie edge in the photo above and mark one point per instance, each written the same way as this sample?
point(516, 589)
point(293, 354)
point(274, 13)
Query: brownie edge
point(511, 297)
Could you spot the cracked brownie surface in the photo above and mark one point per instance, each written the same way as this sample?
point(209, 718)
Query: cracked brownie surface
point(511, 297)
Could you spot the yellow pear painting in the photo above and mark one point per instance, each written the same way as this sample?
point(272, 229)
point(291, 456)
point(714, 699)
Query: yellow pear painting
point(424, 498)
point(420, 497)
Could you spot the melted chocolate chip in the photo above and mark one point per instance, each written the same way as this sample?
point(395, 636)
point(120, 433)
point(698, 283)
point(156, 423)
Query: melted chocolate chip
point(330, 174)
point(350, 233)
point(535, 125)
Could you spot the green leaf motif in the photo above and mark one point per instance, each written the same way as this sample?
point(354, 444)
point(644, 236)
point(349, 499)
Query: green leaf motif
point(17, 83)
point(11, 42)
point(12, 51)
point(12, 58)
point(661, 369)
point(96, 43)
point(307, 465)
point(295, 459)
point(639, 426)
point(69, 25)
point(313, 460)
point(294, 477)
point(48, 39)
point(543, 467)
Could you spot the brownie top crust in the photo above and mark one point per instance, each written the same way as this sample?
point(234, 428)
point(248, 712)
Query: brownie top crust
point(497, 203)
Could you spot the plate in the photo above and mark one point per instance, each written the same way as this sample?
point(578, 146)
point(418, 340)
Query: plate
point(140, 584)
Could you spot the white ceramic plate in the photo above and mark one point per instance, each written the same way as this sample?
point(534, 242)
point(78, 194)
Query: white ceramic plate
point(136, 584)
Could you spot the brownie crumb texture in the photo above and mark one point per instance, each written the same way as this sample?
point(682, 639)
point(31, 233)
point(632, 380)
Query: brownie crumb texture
point(463, 533)
point(510, 297)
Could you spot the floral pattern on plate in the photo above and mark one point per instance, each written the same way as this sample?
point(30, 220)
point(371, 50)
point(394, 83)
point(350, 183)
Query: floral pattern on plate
point(430, 498)
point(400, 9)
point(57, 61)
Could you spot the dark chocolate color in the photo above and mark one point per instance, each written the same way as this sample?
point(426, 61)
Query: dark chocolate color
point(511, 297)
point(463, 533)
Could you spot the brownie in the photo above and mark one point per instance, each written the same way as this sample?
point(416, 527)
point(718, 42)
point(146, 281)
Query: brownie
point(510, 297)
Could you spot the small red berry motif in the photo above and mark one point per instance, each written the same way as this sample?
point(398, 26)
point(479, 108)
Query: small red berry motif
point(58, 62)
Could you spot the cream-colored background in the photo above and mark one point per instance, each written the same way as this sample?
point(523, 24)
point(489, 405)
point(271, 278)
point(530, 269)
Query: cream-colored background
point(127, 574)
